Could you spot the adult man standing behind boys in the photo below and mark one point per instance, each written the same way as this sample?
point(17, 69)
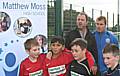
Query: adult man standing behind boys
point(102, 37)
point(82, 31)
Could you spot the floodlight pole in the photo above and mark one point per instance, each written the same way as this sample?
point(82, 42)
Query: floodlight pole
point(118, 19)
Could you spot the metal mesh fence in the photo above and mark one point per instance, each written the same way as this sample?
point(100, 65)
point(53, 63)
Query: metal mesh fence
point(70, 12)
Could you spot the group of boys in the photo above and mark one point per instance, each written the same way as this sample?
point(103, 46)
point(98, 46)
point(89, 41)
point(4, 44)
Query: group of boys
point(84, 57)
point(62, 62)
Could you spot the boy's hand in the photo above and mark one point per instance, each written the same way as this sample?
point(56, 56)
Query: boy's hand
point(49, 55)
point(94, 69)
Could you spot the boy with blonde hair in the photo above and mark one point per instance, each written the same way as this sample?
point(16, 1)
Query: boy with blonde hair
point(33, 64)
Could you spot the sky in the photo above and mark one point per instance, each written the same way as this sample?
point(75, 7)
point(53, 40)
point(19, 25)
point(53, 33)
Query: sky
point(110, 6)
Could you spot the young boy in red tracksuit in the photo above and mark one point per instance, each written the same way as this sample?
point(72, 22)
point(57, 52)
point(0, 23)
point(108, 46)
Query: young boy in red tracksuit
point(32, 66)
point(60, 59)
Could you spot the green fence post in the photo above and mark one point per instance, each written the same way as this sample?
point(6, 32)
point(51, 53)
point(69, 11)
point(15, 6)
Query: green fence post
point(58, 17)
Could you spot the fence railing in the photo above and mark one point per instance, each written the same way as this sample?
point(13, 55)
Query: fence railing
point(70, 12)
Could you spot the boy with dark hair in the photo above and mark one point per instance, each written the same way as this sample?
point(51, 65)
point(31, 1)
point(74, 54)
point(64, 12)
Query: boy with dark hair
point(32, 65)
point(79, 66)
point(111, 55)
point(57, 64)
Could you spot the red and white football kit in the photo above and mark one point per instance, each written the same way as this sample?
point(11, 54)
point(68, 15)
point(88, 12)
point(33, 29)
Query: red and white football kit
point(59, 65)
point(28, 68)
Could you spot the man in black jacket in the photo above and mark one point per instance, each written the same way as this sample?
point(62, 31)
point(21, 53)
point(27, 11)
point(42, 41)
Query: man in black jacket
point(82, 31)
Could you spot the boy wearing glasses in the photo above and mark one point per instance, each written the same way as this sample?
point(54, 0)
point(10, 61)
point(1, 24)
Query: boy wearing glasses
point(32, 65)
point(111, 55)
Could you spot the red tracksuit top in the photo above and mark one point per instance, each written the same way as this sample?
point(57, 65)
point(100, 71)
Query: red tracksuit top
point(28, 68)
point(59, 65)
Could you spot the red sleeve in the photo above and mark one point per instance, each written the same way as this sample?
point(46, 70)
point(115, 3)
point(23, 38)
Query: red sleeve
point(69, 58)
point(45, 67)
point(21, 71)
point(89, 58)
point(66, 50)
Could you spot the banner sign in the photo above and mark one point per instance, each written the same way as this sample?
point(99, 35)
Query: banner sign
point(19, 21)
